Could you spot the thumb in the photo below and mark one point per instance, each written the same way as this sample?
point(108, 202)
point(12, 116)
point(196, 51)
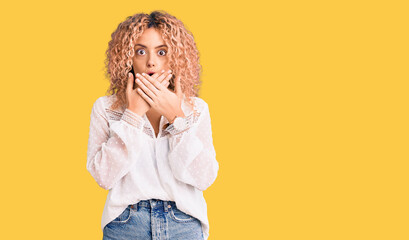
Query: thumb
point(130, 82)
point(178, 88)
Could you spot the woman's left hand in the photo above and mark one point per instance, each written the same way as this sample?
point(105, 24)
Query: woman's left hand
point(159, 97)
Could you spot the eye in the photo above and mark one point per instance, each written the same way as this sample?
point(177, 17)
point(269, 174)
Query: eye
point(139, 51)
point(162, 52)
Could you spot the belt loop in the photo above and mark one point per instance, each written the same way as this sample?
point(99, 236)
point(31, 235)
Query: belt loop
point(165, 205)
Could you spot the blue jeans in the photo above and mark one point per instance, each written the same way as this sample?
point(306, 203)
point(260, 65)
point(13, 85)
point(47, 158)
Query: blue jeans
point(153, 219)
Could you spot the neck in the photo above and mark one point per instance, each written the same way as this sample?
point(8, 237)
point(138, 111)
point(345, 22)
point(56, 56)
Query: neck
point(152, 113)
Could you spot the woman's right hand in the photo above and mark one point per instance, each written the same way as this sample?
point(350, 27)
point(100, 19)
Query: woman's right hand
point(136, 103)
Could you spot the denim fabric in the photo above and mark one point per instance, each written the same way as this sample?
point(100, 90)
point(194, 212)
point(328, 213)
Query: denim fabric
point(153, 219)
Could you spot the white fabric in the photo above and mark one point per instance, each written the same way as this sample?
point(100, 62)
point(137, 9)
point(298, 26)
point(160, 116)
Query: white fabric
point(125, 157)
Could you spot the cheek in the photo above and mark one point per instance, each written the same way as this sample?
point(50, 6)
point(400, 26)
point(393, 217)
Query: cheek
point(166, 63)
point(138, 64)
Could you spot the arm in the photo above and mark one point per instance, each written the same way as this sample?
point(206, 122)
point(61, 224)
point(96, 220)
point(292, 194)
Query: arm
point(112, 150)
point(192, 156)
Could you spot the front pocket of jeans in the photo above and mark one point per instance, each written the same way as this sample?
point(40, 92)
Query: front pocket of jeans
point(180, 216)
point(124, 216)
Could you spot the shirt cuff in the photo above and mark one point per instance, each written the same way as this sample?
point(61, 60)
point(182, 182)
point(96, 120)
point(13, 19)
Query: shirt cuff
point(188, 123)
point(133, 119)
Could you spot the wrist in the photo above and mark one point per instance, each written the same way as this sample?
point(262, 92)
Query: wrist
point(171, 117)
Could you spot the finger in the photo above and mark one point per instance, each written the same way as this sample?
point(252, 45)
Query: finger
point(142, 79)
point(129, 83)
point(164, 75)
point(145, 88)
point(144, 96)
point(160, 77)
point(155, 82)
point(166, 81)
point(156, 75)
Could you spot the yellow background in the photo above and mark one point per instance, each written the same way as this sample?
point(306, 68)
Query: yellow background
point(309, 108)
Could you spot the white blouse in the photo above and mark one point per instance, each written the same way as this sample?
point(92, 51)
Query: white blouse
point(125, 157)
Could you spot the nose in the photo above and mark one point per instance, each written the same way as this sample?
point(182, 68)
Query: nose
point(152, 61)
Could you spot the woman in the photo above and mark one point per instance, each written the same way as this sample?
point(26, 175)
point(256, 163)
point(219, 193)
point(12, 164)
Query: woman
point(150, 141)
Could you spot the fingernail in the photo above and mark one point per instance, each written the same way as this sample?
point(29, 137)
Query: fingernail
point(138, 74)
point(143, 74)
point(170, 71)
point(162, 71)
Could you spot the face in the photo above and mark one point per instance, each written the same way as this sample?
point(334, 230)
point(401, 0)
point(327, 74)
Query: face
point(150, 53)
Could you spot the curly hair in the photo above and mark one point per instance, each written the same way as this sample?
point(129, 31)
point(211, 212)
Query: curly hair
point(183, 54)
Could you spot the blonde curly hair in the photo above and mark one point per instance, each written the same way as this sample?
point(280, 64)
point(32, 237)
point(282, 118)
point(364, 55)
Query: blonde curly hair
point(183, 54)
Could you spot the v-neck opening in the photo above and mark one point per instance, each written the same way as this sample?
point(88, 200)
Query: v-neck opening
point(162, 119)
point(151, 127)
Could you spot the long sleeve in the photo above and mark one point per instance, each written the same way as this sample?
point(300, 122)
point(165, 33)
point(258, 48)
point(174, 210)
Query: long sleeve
point(192, 156)
point(112, 149)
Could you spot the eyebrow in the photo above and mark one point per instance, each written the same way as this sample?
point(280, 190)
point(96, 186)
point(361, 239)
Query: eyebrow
point(155, 47)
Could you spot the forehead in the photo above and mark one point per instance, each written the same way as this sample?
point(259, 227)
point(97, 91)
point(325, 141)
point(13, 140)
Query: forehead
point(150, 37)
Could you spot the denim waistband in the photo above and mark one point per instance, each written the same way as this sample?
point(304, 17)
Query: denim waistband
point(154, 204)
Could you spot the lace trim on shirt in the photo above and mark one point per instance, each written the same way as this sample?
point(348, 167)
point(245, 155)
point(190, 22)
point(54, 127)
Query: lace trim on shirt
point(113, 115)
point(117, 116)
point(133, 119)
point(189, 121)
point(147, 130)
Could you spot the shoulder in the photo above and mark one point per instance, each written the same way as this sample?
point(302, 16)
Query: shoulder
point(194, 105)
point(199, 104)
point(102, 104)
point(200, 109)
point(105, 102)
